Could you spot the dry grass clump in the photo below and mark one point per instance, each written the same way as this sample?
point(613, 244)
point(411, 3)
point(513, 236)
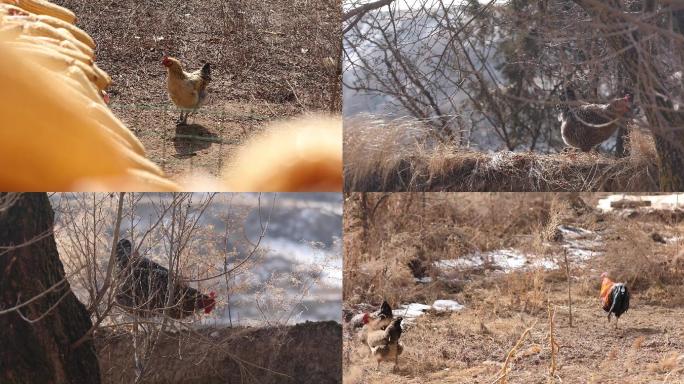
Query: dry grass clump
point(633, 257)
point(402, 155)
point(672, 362)
point(391, 239)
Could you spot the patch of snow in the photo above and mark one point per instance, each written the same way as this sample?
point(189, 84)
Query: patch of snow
point(460, 263)
point(447, 306)
point(411, 311)
point(580, 244)
point(544, 264)
point(424, 280)
point(570, 232)
point(657, 202)
point(506, 259)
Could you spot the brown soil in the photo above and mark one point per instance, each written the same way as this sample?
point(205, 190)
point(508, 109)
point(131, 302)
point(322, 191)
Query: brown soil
point(467, 347)
point(270, 60)
point(304, 353)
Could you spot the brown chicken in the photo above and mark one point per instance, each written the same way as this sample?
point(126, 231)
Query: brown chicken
point(188, 90)
point(375, 321)
point(384, 345)
point(588, 125)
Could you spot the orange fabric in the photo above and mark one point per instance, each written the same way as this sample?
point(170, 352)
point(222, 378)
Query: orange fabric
point(606, 287)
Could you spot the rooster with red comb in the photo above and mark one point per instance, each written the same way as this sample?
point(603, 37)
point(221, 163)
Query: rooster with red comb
point(614, 297)
point(144, 288)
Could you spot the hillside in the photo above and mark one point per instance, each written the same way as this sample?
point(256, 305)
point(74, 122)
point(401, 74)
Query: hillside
point(292, 354)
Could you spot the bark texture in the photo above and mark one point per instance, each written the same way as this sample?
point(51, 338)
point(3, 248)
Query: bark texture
point(643, 76)
point(40, 351)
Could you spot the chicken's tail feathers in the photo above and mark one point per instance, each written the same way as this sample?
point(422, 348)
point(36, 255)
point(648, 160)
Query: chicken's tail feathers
point(385, 309)
point(206, 72)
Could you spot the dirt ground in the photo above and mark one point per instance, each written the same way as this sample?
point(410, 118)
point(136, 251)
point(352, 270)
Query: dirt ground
point(270, 60)
point(293, 354)
point(471, 345)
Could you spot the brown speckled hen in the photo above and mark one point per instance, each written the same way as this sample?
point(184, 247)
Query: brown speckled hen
point(587, 125)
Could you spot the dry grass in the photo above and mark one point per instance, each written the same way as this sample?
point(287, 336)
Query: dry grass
point(414, 230)
point(473, 345)
point(401, 156)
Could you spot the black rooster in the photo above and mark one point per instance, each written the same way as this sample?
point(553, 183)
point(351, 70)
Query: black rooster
point(144, 288)
point(614, 297)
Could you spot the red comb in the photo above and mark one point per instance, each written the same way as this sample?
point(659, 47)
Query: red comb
point(209, 304)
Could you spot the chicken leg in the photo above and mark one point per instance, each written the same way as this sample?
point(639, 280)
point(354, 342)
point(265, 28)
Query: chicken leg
point(183, 119)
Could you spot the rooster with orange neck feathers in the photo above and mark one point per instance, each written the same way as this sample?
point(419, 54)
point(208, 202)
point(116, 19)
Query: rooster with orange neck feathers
point(188, 90)
point(614, 297)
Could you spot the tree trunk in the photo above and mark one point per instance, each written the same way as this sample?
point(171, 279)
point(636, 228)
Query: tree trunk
point(641, 72)
point(39, 352)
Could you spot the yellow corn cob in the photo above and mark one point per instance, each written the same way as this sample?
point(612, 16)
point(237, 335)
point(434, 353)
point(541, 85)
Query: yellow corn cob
point(10, 32)
point(54, 63)
point(54, 22)
point(52, 44)
point(134, 180)
point(9, 9)
point(141, 162)
point(48, 41)
point(61, 62)
point(104, 116)
point(84, 85)
point(296, 156)
point(155, 182)
point(42, 7)
point(38, 28)
point(56, 147)
point(75, 85)
point(77, 32)
point(104, 80)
